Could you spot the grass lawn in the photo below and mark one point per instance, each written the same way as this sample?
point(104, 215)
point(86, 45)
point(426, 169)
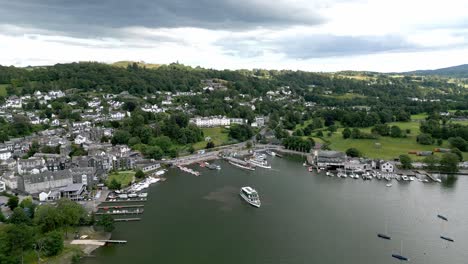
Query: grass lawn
point(124, 177)
point(219, 136)
point(419, 116)
point(390, 148)
point(3, 91)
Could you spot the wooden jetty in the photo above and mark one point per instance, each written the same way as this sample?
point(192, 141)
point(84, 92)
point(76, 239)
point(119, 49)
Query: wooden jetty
point(126, 219)
point(114, 241)
point(120, 206)
point(430, 176)
point(126, 201)
point(121, 213)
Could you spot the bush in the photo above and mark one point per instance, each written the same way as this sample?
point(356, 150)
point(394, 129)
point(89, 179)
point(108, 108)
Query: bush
point(139, 174)
point(353, 152)
point(346, 133)
point(406, 162)
point(210, 145)
point(114, 185)
point(459, 143)
point(52, 243)
point(424, 139)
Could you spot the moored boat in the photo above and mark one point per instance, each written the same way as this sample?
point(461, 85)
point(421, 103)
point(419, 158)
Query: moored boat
point(259, 163)
point(250, 195)
point(384, 236)
point(242, 166)
point(447, 238)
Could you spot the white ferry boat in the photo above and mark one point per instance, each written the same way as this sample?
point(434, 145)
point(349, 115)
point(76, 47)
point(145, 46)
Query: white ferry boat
point(259, 163)
point(250, 195)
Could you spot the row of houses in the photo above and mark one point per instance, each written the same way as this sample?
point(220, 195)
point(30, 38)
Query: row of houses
point(216, 121)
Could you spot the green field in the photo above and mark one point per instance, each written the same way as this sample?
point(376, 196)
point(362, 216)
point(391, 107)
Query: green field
point(219, 136)
point(124, 177)
point(419, 116)
point(3, 91)
point(390, 148)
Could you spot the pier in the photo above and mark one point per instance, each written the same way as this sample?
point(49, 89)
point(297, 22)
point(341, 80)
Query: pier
point(124, 212)
point(126, 219)
point(120, 206)
point(126, 201)
point(430, 176)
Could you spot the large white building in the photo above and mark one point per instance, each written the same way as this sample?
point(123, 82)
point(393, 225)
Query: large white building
point(211, 121)
point(2, 186)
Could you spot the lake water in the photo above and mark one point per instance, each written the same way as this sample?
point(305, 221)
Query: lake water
point(304, 218)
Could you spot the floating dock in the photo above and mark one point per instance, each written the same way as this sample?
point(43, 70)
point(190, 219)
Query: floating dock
point(120, 206)
point(124, 212)
point(126, 219)
point(126, 201)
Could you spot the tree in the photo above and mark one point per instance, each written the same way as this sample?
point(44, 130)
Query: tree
point(21, 239)
point(51, 244)
point(319, 133)
point(449, 163)
point(19, 217)
point(210, 145)
point(71, 212)
point(353, 152)
point(406, 162)
point(459, 143)
point(346, 133)
point(191, 149)
point(424, 139)
point(107, 222)
point(139, 174)
point(248, 145)
point(395, 131)
point(458, 153)
point(12, 202)
point(431, 162)
point(120, 137)
point(48, 218)
point(114, 185)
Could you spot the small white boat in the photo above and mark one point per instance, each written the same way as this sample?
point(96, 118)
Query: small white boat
point(250, 195)
point(389, 185)
point(411, 178)
point(404, 177)
point(132, 195)
point(143, 195)
point(438, 180)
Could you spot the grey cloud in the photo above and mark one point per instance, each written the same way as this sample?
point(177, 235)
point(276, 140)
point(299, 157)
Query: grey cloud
point(102, 17)
point(317, 45)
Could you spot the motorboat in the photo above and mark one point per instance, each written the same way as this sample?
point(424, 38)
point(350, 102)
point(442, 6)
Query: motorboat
point(250, 195)
point(389, 185)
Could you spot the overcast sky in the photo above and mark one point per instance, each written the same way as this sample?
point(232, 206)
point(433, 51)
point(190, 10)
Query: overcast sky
point(316, 35)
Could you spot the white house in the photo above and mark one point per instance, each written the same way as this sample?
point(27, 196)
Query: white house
point(5, 154)
point(117, 116)
point(80, 139)
point(387, 167)
point(2, 186)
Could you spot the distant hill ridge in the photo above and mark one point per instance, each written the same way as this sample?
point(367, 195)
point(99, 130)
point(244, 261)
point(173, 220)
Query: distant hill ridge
point(460, 71)
point(124, 64)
